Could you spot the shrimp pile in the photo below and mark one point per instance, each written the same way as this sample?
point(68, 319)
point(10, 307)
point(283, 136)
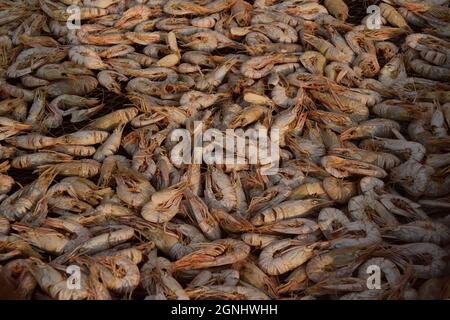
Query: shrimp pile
point(94, 205)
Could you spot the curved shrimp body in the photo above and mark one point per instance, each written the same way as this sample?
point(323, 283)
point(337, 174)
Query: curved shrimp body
point(206, 222)
point(164, 204)
point(105, 241)
point(214, 78)
point(340, 167)
point(336, 263)
point(259, 67)
point(296, 226)
point(212, 254)
point(250, 273)
point(388, 268)
point(330, 220)
point(412, 176)
point(31, 59)
point(419, 231)
point(365, 208)
point(132, 187)
point(86, 57)
point(381, 159)
point(428, 42)
point(430, 259)
point(339, 190)
point(80, 86)
point(19, 204)
point(338, 8)
point(288, 209)
point(109, 80)
point(371, 235)
point(84, 137)
point(289, 253)
point(114, 119)
point(43, 238)
point(428, 70)
point(327, 49)
point(53, 283)
point(259, 240)
point(407, 149)
point(32, 141)
point(124, 281)
point(111, 144)
point(342, 102)
point(374, 127)
point(219, 190)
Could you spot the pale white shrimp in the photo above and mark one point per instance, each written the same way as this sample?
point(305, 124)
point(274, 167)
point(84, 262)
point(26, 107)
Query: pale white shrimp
point(259, 240)
point(330, 220)
point(336, 263)
point(409, 149)
point(105, 240)
point(371, 186)
point(109, 79)
point(288, 209)
point(419, 231)
point(206, 222)
point(216, 253)
point(219, 191)
point(403, 206)
point(111, 144)
point(412, 176)
point(54, 284)
point(366, 208)
point(164, 204)
point(428, 259)
point(371, 235)
point(388, 268)
point(279, 257)
point(118, 273)
point(86, 57)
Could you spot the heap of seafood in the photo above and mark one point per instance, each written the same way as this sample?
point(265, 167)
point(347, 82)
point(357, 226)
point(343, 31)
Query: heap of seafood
point(88, 182)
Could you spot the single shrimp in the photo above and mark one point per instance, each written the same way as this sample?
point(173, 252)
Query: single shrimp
point(33, 160)
point(374, 127)
point(419, 231)
point(330, 220)
point(118, 273)
point(111, 144)
point(365, 208)
point(342, 168)
point(206, 221)
point(109, 79)
point(336, 263)
point(53, 283)
point(279, 257)
point(428, 259)
point(216, 253)
point(259, 67)
point(214, 78)
point(219, 191)
point(339, 190)
point(164, 204)
point(288, 209)
point(371, 235)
